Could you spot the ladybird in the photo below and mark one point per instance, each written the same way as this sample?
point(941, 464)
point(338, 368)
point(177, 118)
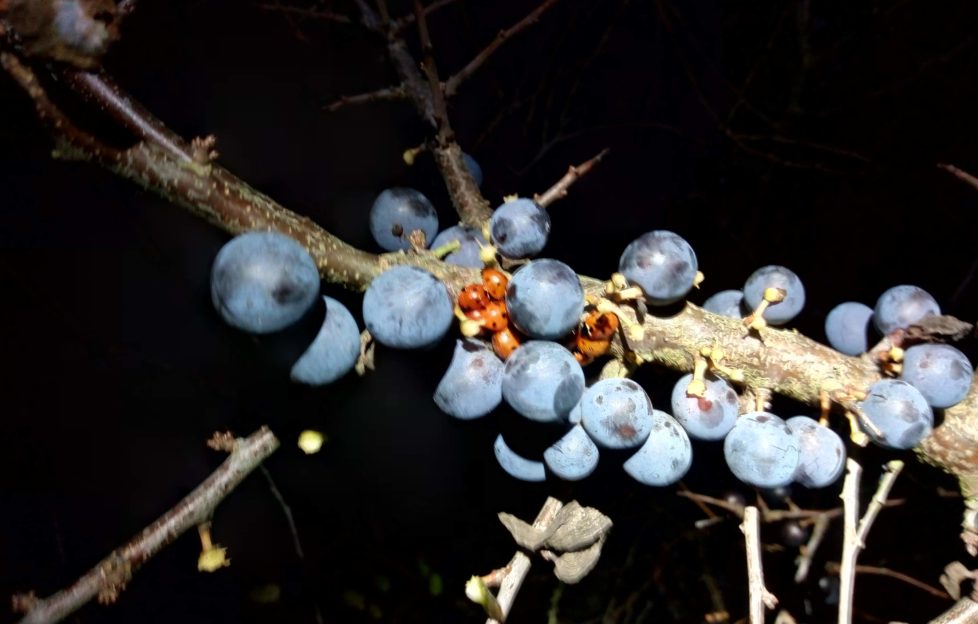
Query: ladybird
point(582, 359)
point(473, 297)
point(592, 348)
point(600, 325)
point(495, 317)
point(495, 283)
point(504, 342)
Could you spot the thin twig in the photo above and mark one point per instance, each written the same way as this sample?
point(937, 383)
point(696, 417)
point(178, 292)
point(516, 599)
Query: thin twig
point(964, 611)
point(107, 579)
point(887, 481)
point(960, 174)
point(380, 95)
point(430, 70)
point(407, 20)
point(773, 515)
point(559, 190)
point(452, 84)
point(855, 535)
point(807, 552)
point(760, 597)
point(833, 567)
point(850, 547)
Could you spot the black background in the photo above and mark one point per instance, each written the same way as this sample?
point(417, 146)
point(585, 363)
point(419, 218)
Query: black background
point(116, 368)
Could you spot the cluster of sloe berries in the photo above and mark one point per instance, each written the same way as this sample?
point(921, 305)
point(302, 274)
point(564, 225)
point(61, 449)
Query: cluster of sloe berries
point(525, 338)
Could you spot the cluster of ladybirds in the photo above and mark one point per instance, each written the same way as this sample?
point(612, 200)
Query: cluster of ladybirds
point(482, 308)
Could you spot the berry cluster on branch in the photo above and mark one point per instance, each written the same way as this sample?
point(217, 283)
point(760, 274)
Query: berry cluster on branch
point(748, 352)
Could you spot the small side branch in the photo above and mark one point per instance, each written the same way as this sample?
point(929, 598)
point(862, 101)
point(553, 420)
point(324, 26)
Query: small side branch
point(316, 14)
point(107, 579)
point(452, 84)
point(162, 162)
point(559, 190)
point(380, 95)
point(833, 568)
point(960, 174)
point(760, 597)
point(855, 534)
point(808, 550)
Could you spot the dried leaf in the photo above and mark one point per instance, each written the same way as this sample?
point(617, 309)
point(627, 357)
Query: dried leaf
point(571, 567)
point(524, 534)
point(577, 527)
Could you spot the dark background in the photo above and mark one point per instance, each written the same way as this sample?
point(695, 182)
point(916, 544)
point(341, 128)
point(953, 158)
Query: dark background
point(798, 133)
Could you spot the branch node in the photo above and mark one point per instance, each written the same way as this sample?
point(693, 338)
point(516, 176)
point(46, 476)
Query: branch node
point(222, 441)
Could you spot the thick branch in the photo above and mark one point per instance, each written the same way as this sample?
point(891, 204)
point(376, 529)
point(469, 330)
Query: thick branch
point(101, 91)
point(960, 174)
point(111, 575)
point(964, 611)
point(781, 361)
point(316, 14)
point(471, 206)
point(207, 190)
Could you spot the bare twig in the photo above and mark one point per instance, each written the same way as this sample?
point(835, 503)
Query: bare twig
point(407, 20)
point(887, 480)
point(286, 510)
point(559, 190)
point(430, 69)
point(855, 535)
point(380, 95)
point(834, 567)
point(772, 515)
point(809, 549)
point(316, 14)
point(296, 542)
point(850, 548)
point(960, 174)
point(760, 597)
point(107, 579)
point(452, 84)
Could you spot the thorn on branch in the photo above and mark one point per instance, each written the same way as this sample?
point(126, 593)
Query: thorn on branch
point(22, 603)
point(202, 149)
point(222, 441)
